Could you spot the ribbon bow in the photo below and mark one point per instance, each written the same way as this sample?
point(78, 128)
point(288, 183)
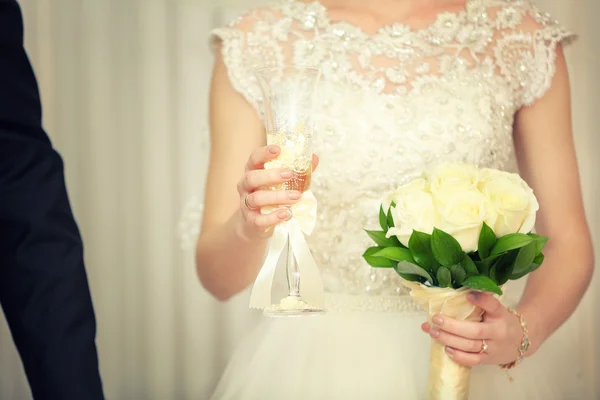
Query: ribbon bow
point(304, 217)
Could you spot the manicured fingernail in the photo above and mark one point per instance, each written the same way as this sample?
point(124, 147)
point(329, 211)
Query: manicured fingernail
point(450, 351)
point(438, 320)
point(293, 195)
point(434, 332)
point(286, 174)
point(284, 214)
point(474, 296)
point(273, 149)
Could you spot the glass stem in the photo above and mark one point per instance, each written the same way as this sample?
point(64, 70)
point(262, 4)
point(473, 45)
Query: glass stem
point(293, 274)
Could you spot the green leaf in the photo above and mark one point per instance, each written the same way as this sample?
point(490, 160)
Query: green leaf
point(383, 219)
point(487, 239)
point(492, 274)
point(377, 262)
point(540, 241)
point(445, 248)
point(372, 250)
point(493, 258)
point(483, 267)
point(390, 218)
point(444, 277)
point(537, 262)
point(469, 266)
point(379, 238)
point(395, 254)
point(396, 242)
point(412, 278)
point(420, 248)
point(458, 274)
point(482, 283)
point(407, 268)
point(525, 258)
point(390, 224)
point(503, 267)
point(510, 242)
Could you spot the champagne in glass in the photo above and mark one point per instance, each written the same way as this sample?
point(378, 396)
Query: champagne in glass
point(294, 155)
point(288, 100)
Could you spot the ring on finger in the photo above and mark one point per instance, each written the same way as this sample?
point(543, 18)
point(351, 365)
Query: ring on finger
point(247, 204)
point(484, 346)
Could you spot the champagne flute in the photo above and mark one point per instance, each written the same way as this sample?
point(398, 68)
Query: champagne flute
point(288, 102)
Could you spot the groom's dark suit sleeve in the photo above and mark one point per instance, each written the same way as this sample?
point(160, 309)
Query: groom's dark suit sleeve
point(44, 290)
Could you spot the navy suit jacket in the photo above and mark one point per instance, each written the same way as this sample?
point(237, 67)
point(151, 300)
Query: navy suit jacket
point(44, 290)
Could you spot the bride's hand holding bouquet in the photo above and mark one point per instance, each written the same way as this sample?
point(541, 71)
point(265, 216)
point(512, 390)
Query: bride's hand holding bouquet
point(463, 340)
point(456, 236)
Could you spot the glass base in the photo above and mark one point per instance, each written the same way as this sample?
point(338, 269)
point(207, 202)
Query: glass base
point(275, 313)
point(292, 306)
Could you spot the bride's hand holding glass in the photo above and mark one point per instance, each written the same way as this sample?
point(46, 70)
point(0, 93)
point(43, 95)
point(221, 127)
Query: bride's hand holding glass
point(255, 190)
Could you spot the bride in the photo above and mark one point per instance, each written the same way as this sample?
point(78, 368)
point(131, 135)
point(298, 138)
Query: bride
point(405, 83)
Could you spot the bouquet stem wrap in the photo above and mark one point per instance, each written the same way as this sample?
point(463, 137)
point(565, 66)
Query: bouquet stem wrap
point(447, 379)
point(304, 216)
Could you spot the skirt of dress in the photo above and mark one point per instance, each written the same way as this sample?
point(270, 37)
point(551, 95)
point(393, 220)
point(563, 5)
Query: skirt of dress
point(369, 355)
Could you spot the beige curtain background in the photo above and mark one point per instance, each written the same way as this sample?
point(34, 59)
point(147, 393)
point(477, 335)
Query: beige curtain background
point(124, 85)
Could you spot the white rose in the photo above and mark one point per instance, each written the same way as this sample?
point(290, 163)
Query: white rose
point(462, 213)
point(513, 201)
point(488, 174)
point(414, 210)
point(416, 185)
point(453, 175)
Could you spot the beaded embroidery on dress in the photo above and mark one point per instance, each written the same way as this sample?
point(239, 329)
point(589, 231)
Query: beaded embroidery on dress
point(395, 101)
point(392, 102)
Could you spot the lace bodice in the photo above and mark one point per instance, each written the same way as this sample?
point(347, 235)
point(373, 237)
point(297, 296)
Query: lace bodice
point(394, 101)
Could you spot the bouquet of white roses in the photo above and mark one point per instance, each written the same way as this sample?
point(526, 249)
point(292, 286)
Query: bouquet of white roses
point(456, 229)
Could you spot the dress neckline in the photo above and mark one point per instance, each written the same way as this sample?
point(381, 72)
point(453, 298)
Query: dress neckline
point(393, 28)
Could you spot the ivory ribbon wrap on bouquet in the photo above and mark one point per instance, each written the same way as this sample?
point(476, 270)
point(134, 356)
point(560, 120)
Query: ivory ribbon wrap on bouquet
point(447, 379)
point(304, 217)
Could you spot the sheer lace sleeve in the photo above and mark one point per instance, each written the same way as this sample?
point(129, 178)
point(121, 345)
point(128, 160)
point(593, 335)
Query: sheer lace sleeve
point(526, 49)
point(247, 43)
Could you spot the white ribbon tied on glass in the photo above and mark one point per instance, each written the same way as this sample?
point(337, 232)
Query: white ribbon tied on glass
point(302, 222)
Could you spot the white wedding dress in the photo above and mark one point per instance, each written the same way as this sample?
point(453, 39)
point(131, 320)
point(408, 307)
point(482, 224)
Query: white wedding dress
point(390, 103)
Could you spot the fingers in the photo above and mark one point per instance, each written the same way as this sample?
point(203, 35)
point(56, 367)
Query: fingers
point(256, 179)
point(462, 350)
point(256, 176)
point(487, 303)
point(262, 224)
point(426, 327)
point(465, 358)
point(265, 198)
point(253, 198)
point(260, 156)
point(456, 342)
point(315, 161)
point(466, 329)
